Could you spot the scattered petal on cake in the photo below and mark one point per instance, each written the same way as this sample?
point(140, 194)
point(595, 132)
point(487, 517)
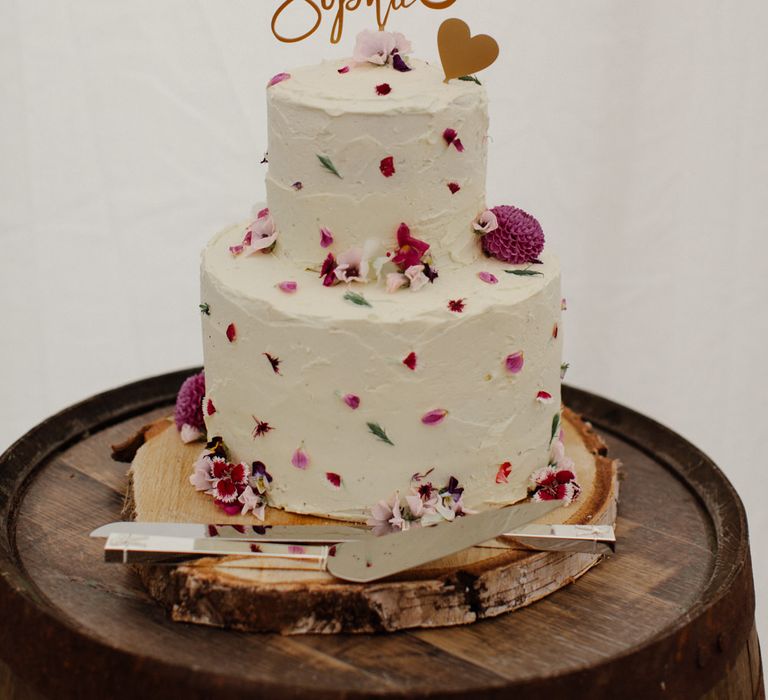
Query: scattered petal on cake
point(383, 89)
point(502, 476)
point(457, 305)
point(289, 287)
point(328, 271)
point(454, 187)
point(555, 331)
point(352, 401)
point(544, 397)
point(326, 238)
point(399, 64)
point(231, 333)
point(261, 428)
point(344, 70)
point(279, 78)
point(387, 166)
point(515, 363)
point(298, 186)
point(435, 417)
point(300, 459)
point(333, 479)
point(450, 136)
point(274, 361)
point(380, 433)
point(210, 409)
point(411, 361)
point(488, 277)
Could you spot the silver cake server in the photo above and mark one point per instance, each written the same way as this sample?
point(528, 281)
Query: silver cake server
point(565, 538)
point(368, 560)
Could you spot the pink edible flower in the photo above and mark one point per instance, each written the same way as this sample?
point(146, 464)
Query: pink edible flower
point(410, 250)
point(486, 222)
point(201, 478)
point(226, 479)
point(435, 417)
point(379, 47)
point(352, 401)
point(387, 166)
point(344, 70)
point(326, 238)
point(353, 266)
point(279, 78)
point(231, 333)
point(189, 406)
point(544, 397)
point(260, 236)
point(415, 275)
point(519, 238)
point(333, 479)
point(515, 363)
point(252, 501)
point(300, 459)
point(502, 476)
point(558, 457)
point(488, 277)
point(395, 281)
point(550, 484)
point(410, 361)
point(386, 516)
point(289, 287)
point(384, 89)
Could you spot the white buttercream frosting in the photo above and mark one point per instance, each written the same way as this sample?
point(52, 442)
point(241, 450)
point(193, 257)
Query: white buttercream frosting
point(340, 116)
point(329, 347)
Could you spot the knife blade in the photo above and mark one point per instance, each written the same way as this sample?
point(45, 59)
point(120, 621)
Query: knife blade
point(560, 538)
point(363, 561)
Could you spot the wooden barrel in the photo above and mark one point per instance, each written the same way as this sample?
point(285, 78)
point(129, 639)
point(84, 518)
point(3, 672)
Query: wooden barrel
point(670, 616)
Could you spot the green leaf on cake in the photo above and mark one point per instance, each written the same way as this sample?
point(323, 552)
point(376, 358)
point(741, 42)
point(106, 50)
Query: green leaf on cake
point(525, 273)
point(357, 299)
point(327, 163)
point(380, 433)
point(470, 79)
point(205, 309)
point(555, 426)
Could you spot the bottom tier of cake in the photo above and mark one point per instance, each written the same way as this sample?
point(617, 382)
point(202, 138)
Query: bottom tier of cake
point(347, 394)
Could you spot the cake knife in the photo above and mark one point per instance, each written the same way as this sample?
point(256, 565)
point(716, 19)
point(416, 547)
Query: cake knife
point(540, 537)
point(360, 561)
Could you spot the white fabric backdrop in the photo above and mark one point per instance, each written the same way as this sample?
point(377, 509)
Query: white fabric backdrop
point(636, 131)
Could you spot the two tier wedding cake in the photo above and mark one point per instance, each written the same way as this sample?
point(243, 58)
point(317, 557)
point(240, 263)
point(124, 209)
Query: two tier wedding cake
point(379, 344)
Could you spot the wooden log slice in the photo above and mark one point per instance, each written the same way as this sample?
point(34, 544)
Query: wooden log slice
point(236, 593)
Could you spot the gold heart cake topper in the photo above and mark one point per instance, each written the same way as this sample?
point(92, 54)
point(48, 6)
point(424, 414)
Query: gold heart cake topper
point(463, 54)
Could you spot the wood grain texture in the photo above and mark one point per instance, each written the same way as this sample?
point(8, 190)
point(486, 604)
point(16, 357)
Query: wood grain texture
point(670, 616)
point(235, 593)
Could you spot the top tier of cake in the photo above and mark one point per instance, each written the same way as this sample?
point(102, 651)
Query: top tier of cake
point(434, 133)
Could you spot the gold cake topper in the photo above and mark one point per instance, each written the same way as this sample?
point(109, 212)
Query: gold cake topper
point(463, 54)
point(339, 8)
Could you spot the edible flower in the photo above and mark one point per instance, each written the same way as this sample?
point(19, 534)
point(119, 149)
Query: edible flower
point(379, 48)
point(260, 236)
point(410, 250)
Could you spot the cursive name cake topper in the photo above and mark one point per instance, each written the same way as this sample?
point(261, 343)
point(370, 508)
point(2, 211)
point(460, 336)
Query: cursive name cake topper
point(339, 8)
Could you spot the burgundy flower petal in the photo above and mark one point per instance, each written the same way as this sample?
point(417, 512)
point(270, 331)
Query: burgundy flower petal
point(344, 70)
point(231, 333)
point(352, 401)
point(454, 187)
point(238, 473)
point(333, 479)
point(298, 186)
point(544, 397)
point(388, 166)
point(450, 136)
point(383, 89)
point(326, 238)
point(459, 145)
point(411, 361)
point(502, 476)
point(274, 362)
point(210, 409)
point(457, 305)
point(556, 331)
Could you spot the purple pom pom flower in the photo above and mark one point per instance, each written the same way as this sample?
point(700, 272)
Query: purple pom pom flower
point(518, 240)
point(189, 408)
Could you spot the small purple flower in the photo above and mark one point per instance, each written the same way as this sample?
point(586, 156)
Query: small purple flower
point(189, 405)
